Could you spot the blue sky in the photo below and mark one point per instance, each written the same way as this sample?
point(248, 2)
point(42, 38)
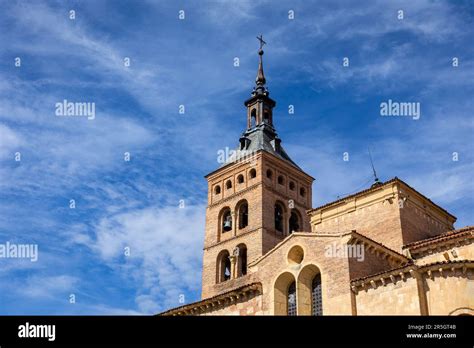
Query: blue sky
point(190, 62)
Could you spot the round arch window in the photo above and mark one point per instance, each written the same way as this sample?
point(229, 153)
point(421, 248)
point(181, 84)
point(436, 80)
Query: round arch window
point(226, 220)
point(302, 192)
point(294, 222)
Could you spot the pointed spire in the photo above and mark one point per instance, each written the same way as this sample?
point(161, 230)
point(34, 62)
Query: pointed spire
point(260, 80)
point(260, 105)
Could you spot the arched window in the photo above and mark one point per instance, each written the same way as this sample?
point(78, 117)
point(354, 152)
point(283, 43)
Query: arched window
point(217, 190)
point(266, 116)
point(242, 260)
point(292, 299)
point(226, 220)
point(228, 184)
point(253, 118)
point(223, 266)
point(281, 180)
point(309, 290)
point(240, 179)
point(280, 293)
point(278, 217)
point(269, 173)
point(226, 275)
point(302, 192)
point(292, 186)
point(316, 296)
point(294, 225)
point(252, 173)
point(243, 210)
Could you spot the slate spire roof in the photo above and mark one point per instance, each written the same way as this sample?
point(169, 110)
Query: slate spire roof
point(262, 135)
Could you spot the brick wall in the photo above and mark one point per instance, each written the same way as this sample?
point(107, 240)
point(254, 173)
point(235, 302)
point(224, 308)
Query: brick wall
point(261, 193)
point(392, 214)
point(419, 221)
point(379, 220)
point(371, 264)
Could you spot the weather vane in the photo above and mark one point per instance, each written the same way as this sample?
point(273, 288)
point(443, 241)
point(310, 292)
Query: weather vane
point(260, 38)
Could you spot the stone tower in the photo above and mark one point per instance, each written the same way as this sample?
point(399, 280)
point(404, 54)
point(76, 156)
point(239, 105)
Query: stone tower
point(255, 199)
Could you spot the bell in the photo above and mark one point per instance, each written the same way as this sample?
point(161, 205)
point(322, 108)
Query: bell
point(227, 225)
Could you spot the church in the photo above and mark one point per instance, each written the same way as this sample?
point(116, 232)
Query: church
point(386, 250)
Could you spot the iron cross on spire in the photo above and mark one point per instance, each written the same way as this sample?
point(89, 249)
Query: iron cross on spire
point(260, 38)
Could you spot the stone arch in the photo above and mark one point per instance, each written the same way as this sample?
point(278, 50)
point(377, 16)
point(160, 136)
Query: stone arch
point(241, 260)
point(242, 211)
point(291, 185)
point(225, 214)
point(279, 217)
point(266, 116)
point(281, 180)
point(253, 118)
point(295, 221)
point(223, 266)
point(462, 311)
point(302, 192)
point(305, 289)
point(280, 293)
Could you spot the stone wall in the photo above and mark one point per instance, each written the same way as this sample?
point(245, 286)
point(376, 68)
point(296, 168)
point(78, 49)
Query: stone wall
point(275, 271)
point(433, 290)
point(399, 298)
point(450, 291)
point(446, 253)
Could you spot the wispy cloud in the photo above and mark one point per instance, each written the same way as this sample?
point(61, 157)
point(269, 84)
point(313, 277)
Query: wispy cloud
point(191, 62)
point(9, 141)
point(165, 250)
point(41, 287)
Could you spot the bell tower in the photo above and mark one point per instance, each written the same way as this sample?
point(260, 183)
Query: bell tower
point(255, 199)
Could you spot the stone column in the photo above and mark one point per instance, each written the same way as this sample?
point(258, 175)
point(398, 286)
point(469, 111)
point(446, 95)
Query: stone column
point(233, 268)
point(234, 223)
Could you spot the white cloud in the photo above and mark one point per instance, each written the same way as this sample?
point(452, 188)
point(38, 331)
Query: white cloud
point(433, 21)
point(39, 287)
point(165, 251)
point(9, 141)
